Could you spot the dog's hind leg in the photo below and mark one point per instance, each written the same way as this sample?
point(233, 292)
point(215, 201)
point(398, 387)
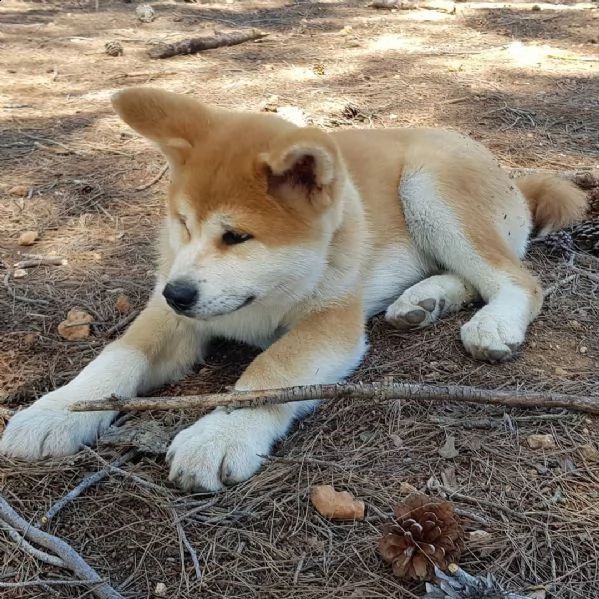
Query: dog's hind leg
point(425, 302)
point(457, 229)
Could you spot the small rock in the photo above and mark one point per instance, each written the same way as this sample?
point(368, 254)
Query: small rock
point(145, 13)
point(541, 441)
point(583, 349)
point(406, 488)
point(29, 338)
point(19, 273)
point(122, 304)
point(336, 505)
point(293, 115)
point(448, 450)
point(589, 452)
point(28, 237)
point(270, 105)
point(477, 536)
point(19, 190)
point(76, 326)
point(160, 589)
point(560, 371)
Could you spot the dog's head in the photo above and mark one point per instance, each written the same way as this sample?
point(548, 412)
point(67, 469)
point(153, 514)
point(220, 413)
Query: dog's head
point(253, 202)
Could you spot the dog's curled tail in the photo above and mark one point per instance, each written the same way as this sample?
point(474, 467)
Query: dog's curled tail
point(555, 203)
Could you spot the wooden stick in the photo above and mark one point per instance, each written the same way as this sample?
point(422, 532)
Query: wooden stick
point(198, 44)
point(42, 261)
point(349, 391)
point(84, 485)
point(72, 560)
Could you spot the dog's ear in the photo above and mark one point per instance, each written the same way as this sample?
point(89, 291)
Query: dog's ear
point(302, 165)
point(174, 121)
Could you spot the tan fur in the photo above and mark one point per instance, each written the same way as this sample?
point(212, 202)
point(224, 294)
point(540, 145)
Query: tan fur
point(555, 203)
point(336, 227)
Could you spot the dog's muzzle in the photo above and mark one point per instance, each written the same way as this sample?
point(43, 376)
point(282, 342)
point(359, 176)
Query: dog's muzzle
point(180, 296)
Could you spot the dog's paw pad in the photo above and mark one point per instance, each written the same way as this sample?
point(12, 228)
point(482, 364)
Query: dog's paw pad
point(404, 315)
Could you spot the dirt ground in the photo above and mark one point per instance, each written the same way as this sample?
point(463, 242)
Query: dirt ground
point(520, 77)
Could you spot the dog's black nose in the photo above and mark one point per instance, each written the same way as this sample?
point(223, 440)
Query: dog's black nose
point(180, 296)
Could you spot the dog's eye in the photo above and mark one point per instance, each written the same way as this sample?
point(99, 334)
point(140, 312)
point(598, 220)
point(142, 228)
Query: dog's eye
point(233, 238)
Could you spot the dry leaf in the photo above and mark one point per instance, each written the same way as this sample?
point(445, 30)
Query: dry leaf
point(30, 338)
point(336, 505)
point(448, 450)
point(478, 536)
point(28, 237)
point(589, 452)
point(76, 326)
point(541, 441)
point(122, 304)
point(19, 190)
point(407, 489)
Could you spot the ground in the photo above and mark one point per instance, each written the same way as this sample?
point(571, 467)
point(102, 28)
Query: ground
point(520, 77)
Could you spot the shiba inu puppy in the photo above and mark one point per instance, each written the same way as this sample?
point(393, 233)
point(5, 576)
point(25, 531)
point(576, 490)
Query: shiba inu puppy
point(290, 239)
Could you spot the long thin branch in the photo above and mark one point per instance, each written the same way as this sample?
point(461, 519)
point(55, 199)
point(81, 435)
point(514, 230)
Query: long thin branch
point(84, 485)
point(38, 554)
point(198, 44)
point(343, 392)
point(72, 560)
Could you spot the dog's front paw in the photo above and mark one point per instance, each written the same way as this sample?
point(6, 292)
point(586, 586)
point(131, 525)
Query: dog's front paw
point(490, 338)
point(48, 429)
point(222, 449)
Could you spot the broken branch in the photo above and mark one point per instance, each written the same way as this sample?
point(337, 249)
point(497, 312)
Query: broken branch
point(198, 44)
point(343, 392)
point(72, 560)
point(41, 261)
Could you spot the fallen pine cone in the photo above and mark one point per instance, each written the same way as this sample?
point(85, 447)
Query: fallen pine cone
point(113, 48)
point(427, 533)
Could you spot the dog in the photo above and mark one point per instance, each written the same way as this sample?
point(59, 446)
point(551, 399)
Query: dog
point(289, 239)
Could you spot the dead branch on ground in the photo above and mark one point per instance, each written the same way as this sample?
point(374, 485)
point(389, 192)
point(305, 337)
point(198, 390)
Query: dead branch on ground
point(343, 392)
point(71, 559)
point(199, 44)
point(84, 485)
point(41, 261)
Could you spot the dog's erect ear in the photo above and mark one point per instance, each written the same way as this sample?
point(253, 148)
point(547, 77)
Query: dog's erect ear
point(174, 121)
point(302, 164)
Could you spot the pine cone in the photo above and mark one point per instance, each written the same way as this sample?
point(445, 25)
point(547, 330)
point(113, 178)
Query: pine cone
point(113, 48)
point(428, 533)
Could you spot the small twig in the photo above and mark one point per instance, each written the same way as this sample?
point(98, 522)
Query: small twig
point(455, 496)
point(153, 180)
point(38, 554)
point(42, 261)
point(41, 583)
point(21, 298)
point(128, 475)
point(553, 288)
point(198, 44)
point(122, 323)
point(50, 141)
point(84, 485)
point(189, 548)
point(72, 560)
point(349, 391)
